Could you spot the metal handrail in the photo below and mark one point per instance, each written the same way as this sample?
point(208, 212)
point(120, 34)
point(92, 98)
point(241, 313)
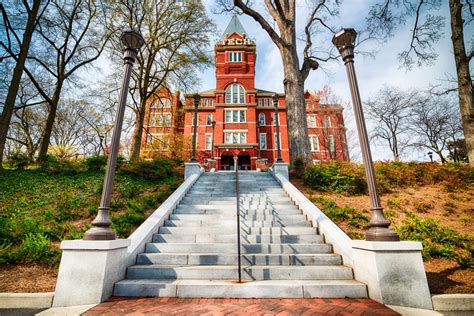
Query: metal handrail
point(237, 193)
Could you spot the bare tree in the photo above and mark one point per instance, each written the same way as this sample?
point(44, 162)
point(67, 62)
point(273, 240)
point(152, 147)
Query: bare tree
point(68, 40)
point(176, 48)
point(282, 31)
point(12, 37)
point(387, 15)
point(435, 122)
point(390, 111)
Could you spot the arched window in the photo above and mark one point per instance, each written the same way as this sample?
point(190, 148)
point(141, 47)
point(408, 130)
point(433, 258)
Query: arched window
point(261, 119)
point(235, 93)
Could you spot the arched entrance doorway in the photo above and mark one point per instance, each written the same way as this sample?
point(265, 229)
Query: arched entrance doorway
point(227, 161)
point(244, 160)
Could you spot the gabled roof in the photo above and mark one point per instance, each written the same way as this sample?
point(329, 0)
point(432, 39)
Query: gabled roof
point(234, 27)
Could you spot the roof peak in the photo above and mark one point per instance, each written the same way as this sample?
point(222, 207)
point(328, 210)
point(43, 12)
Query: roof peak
point(234, 26)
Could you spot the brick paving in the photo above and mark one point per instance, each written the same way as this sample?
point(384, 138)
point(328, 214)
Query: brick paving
point(254, 307)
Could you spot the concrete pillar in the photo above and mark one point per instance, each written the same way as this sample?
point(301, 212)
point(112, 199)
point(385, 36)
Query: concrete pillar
point(393, 271)
point(281, 168)
point(191, 168)
point(89, 270)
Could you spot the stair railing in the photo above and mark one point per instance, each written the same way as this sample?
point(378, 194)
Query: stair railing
point(237, 193)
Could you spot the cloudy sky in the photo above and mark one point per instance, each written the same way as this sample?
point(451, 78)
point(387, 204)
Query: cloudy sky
point(372, 73)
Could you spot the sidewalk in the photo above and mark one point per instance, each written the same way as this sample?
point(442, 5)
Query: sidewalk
point(193, 306)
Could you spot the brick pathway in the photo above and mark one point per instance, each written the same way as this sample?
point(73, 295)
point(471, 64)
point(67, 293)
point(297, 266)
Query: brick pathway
point(254, 307)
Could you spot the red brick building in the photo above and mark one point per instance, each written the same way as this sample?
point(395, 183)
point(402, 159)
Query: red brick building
point(243, 115)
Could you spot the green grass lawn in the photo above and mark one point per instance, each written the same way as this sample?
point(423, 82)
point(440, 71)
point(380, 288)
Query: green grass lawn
point(39, 208)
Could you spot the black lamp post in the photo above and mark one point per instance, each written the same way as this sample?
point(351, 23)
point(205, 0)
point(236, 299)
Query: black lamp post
point(197, 99)
point(430, 154)
point(212, 148)
point(259, 155)
point(378, 226)
point(101, 225)
point(277, 127)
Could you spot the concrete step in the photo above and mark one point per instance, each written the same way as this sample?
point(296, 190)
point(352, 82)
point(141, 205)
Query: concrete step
point(244, 230)
point(226, 223)
point(244, 212)
point(207, 217)
point(230, 289)
point(225, 248)
point(231, 238)
point(228, 272)
point(246, 259)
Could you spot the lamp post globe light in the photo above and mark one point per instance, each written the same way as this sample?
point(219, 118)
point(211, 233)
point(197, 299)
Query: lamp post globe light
point(277, 127)
point(197, 99)
point(101, 226)
point(378, 226)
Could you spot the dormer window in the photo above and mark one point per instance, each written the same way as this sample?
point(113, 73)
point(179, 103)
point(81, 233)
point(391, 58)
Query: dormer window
point(235, 57)
point(235, 93)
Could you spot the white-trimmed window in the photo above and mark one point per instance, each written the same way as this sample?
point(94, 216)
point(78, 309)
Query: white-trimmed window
point(211, 103)
point(235, 116)
point(235, 137)
point(314, 142)
point(327, 121)
point(235, 57)
point(275, 140)
point(159, 119)
point(261, 119)
point(165, 103)
point(331, 144)
point(311, 120)
point(263, 140)
point(153, 105)
point(208, 141)
point(209, 119)
point(235, 93)
point(279, 119)
point(266, 102)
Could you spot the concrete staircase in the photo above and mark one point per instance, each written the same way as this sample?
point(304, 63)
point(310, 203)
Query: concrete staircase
point(195, 253)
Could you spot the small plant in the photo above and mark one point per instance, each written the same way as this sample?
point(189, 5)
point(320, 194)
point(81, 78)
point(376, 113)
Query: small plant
point(438, 241)
point(448, 211)
point(19, 160)
point(422, 207)
point(37, 248)
point(464, 219)
point(394, 203)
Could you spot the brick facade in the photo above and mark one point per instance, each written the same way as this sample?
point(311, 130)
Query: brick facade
point(236, 105)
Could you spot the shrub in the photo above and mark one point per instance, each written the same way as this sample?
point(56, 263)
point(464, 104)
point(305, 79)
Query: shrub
point(335, 177)
point(19, 160)
point(95, 163)
point(151, 169)
point(64, 166)
point(37, 248)
point(422, 207)
point(438, 241)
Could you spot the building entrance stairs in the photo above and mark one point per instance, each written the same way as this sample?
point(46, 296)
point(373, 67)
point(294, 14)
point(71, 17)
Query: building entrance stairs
point(194, 254)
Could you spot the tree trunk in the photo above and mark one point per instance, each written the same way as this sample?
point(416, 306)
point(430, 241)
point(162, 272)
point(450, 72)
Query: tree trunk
point(464, 77)
point(295, 106)
point(46, 137)
point(138, 132)
point(6, 116)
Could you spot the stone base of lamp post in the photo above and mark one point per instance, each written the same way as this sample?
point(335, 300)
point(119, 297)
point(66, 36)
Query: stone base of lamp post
point(393, 271)
point(191, 168)
point(89, 270)
point(280, 168)
point(211, 164)
point(261, 164)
